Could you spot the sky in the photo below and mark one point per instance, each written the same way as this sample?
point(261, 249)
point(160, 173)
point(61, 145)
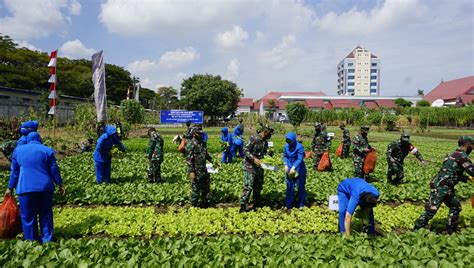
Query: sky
point(261, 45)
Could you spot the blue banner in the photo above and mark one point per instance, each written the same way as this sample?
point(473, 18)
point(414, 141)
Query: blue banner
point(181, 117)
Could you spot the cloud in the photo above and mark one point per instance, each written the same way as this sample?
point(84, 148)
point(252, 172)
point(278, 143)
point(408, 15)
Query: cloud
point(279, 57)
point(28, 19)
point(232, 38)
point(27, 45)
point(384, 15)
point(141, 66)
point(179, 57)
point(232, 70)
point(74, 49)
point(179, 77)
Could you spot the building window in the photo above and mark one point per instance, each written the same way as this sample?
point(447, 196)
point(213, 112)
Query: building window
point(350, 77)
point(350, 90)
point(373, 77)
point(373, 91)
point(350, 83)
point(374, 64)
point(373, 71)
point(373, 84)
point(350, 70)
point(350, 64)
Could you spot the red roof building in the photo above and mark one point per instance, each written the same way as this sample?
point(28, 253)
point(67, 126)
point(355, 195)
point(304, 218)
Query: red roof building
point(453, 92)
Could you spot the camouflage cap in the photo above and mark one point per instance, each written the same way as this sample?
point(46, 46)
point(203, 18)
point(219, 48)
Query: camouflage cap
point(364, 129)
point(317, 125)
point(268, 129)
point(195, 130)
point(405, 137)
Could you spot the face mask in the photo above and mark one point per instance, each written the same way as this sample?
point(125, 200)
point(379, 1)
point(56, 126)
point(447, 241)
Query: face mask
point(290, 142)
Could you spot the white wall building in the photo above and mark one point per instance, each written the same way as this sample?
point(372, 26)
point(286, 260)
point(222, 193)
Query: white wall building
point(359, 74)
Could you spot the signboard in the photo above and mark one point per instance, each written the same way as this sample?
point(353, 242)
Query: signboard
point(333, 202)
point(270, 144)
point(181, 117)
point(210, 169)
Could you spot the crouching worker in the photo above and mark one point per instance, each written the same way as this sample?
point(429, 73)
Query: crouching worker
point(295, 170)
point(103, 153)
point(34, 173)
point(352, 193)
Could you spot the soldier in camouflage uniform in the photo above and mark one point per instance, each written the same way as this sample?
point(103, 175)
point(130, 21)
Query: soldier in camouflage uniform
point(254, 151)
point(326, 136)
point(196, 157)
point(7, 148)
point(396, 153)
point(155, 155)
point(360, 149)
point(319, 144)
point(346, 141)
point(442, 185)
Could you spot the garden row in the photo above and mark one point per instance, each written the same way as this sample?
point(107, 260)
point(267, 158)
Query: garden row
point(416, 249)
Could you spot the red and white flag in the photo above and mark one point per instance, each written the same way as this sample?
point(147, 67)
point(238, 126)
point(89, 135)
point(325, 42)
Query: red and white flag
point(53, 82)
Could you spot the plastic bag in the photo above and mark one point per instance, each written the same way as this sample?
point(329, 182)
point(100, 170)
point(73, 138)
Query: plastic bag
point(370, 161)
point(308, 154)
point(325, 162)
point(10, 221)
point(339, 150)
point(182, 146)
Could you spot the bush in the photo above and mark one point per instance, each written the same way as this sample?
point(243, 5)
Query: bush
point(296, 113)
point(423, 103)
point(132, 111)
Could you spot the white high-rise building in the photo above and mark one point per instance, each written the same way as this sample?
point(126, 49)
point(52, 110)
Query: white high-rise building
point(359, 74)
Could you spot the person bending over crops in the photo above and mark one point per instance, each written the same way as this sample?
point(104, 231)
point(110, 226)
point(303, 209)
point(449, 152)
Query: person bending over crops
point(360, 149)
point(442, 185)
point(396, 153)
point(155, 155)
point(196, 157)
point(295, 169)
point(238, 143)
point(103, 153)
point(319, 144)
point(226, 143)
point(254, 151)
point(355, 192)
point(34, 173)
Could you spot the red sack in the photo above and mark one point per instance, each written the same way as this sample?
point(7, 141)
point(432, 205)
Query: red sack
point(472, 201)
point(308, 154)
point(10, 221)
point(325, 162)
point(182, 146)
point(339, 150)
point(370, 161)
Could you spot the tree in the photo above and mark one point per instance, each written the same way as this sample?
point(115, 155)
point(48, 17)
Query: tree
point(423, 103)
point(132, 111)
point(401, 102)
point(296, 112)
point(421, 93)
point(166, 98)
point(271, 108)
point(211, 94)
point(147, 97)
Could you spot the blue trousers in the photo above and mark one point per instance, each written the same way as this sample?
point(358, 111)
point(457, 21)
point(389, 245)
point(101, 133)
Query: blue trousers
point(300, 181)
point(238, 149)
point(343, 201)
point(102, 171)
point(227, 156)
point(34, 204)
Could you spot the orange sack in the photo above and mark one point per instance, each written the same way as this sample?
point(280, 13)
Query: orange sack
point(182, 146)
point(325, 162)
point(339, 150)
point(370, 161)
point(10, 221)
point(308, 154)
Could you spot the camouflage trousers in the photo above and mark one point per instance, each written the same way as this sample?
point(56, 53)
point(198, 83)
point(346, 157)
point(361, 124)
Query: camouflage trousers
point(345, 150)
point(359, 167)
point(200, 189)
point(7, 149)
point(253, 182)
point(439, 195)
point(395, 169)
point(316, 159)
point(154, 171)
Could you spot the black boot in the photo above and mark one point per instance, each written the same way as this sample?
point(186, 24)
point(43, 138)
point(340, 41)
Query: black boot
point(243, 208)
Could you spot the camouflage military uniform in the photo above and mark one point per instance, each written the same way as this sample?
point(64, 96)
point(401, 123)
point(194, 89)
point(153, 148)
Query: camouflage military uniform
point(196, 157)
point(396, 153)
point(346, 143)
point(7, 148)
point(442, 189)
point(253, 176)
point(319, 145)
point(359, 143)
point(156, 157)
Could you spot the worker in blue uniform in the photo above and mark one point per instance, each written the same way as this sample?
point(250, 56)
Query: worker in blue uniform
point(103, 153)
point(355, 192)
point(238, 143)
point(34, 173)
point(25, 129)
point(295, 170)
point(226, 141)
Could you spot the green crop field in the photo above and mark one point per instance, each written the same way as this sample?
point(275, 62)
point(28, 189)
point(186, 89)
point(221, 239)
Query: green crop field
point(131, 222)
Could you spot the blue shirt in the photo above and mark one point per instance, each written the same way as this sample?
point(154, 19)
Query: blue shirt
point(34, 168)
point(105, 143)
point(354, 187)
point(293, 155)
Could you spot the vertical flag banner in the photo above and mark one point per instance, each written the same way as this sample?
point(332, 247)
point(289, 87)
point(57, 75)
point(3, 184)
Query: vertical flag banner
point(137, 92)
point(128, 92)
point(98, 79)
point(52, 82)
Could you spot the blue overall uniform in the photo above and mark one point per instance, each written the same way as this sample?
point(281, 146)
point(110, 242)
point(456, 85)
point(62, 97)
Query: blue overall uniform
point(25, 129)
point(349, 192)
point(102, 153)
point(33, 173)
point(238, 143)
point(227, 153)
point(293, 156)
